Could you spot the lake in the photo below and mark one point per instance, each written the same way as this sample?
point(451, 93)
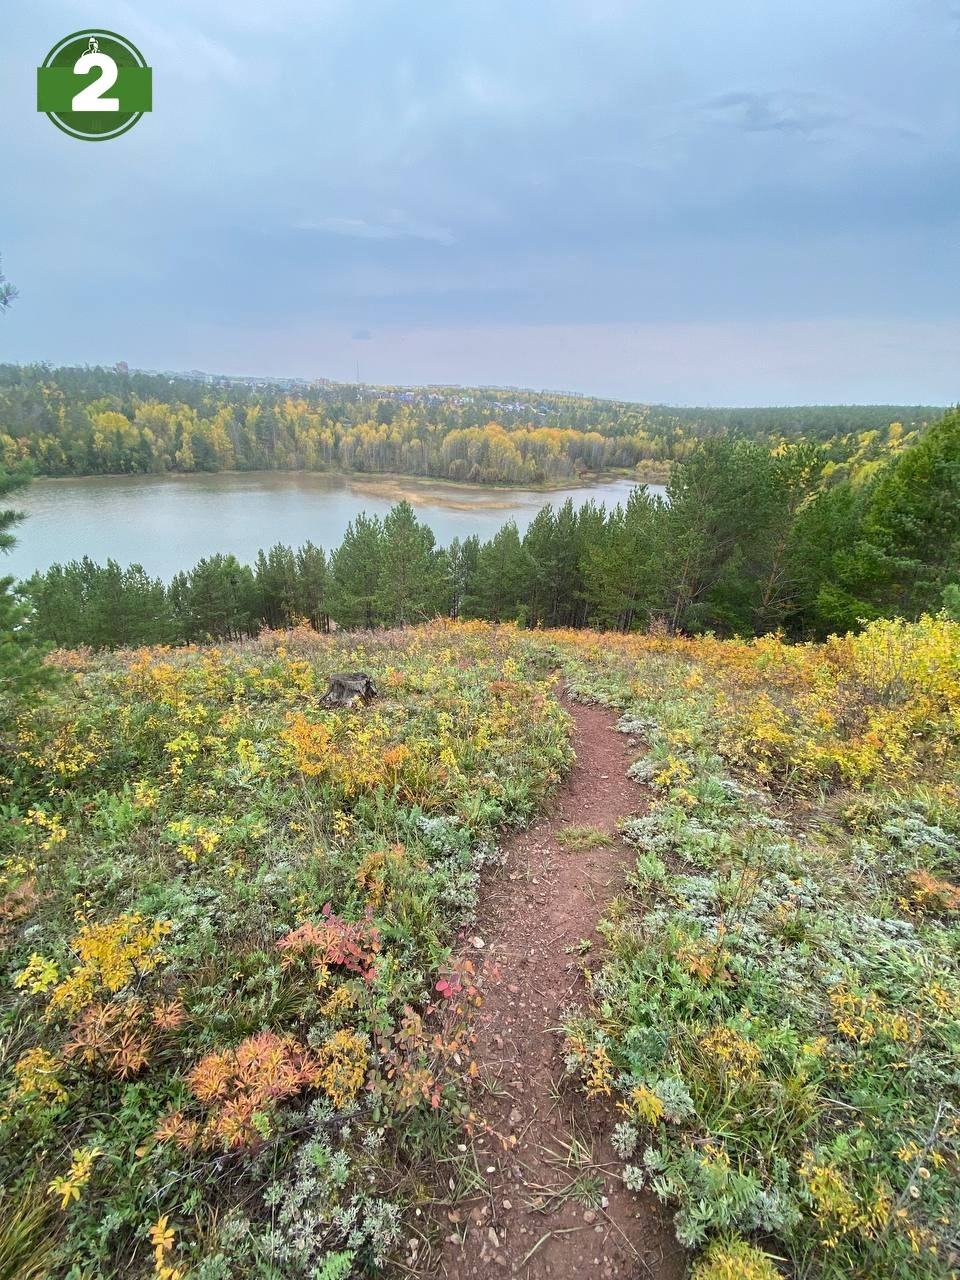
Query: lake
point(168, 522)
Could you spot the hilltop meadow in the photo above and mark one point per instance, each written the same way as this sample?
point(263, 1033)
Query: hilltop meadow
point(243, 975)
point(237, 1022)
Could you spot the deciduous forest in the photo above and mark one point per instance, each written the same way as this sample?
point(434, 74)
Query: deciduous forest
point(94, 421)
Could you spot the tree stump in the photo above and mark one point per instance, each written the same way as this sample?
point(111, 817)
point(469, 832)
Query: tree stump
point(347, 686)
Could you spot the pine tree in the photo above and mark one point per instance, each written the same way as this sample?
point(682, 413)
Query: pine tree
point(555, 545)
point(462, 561)
point(125, 607)
point(591, 522)
point(22, 671)
point(891, 546)
point(831, 565)
point(276, 578)
point(543, 566)
point(217, 600)
point(623, 566)
point(912, 519)
point(10, 482)
point(499, 587)
point(355, 573)
point(82, 603)
point(413, 572)
point(727, 527)
point(7, 293)
point(56, 602)
point(312, 586)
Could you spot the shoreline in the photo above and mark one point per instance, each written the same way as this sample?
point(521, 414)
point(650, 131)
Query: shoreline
point(358, 479)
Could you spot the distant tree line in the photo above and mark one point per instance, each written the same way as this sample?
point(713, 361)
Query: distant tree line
point(748, 542)
point(96, 421)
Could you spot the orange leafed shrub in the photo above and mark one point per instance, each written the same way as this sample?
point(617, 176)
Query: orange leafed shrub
point(239, 1083)
point(929, 895)
point(240, 1086)
point(116, 1035)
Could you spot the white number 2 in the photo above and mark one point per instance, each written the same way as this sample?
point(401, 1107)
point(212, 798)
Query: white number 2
point(91, 98)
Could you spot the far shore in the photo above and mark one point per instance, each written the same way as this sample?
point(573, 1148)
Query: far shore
point(386, 481)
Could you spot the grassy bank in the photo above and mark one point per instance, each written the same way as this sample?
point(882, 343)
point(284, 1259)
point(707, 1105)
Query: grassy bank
point(225, 911)
point(777, 1022)
point(226, 916)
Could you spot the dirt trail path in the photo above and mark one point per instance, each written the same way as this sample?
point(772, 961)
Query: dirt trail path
point(547, 899)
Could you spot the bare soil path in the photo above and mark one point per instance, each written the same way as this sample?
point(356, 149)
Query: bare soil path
point(535, 918)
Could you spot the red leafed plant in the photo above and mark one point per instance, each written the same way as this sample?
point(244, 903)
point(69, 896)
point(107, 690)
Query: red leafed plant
point(420, 1063)
point(460, 980)
point(354, 945)
point(449, 987)
point(119, 1036)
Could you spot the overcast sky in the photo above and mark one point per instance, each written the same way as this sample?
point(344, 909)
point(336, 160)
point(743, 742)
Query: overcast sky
point(749, 202)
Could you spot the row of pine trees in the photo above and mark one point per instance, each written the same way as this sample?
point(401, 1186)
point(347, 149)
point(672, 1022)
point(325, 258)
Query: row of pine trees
point(747, 542)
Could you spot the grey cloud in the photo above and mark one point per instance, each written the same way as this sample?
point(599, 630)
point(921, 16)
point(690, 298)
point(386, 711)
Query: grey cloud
point(779, 112)
point(393, 166)
point(394, 228)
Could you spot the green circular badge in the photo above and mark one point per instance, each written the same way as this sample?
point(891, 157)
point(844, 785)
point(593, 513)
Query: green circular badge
point(94, 85)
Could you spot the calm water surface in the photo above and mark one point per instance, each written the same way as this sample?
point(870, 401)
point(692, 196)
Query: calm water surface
point(167, 523)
